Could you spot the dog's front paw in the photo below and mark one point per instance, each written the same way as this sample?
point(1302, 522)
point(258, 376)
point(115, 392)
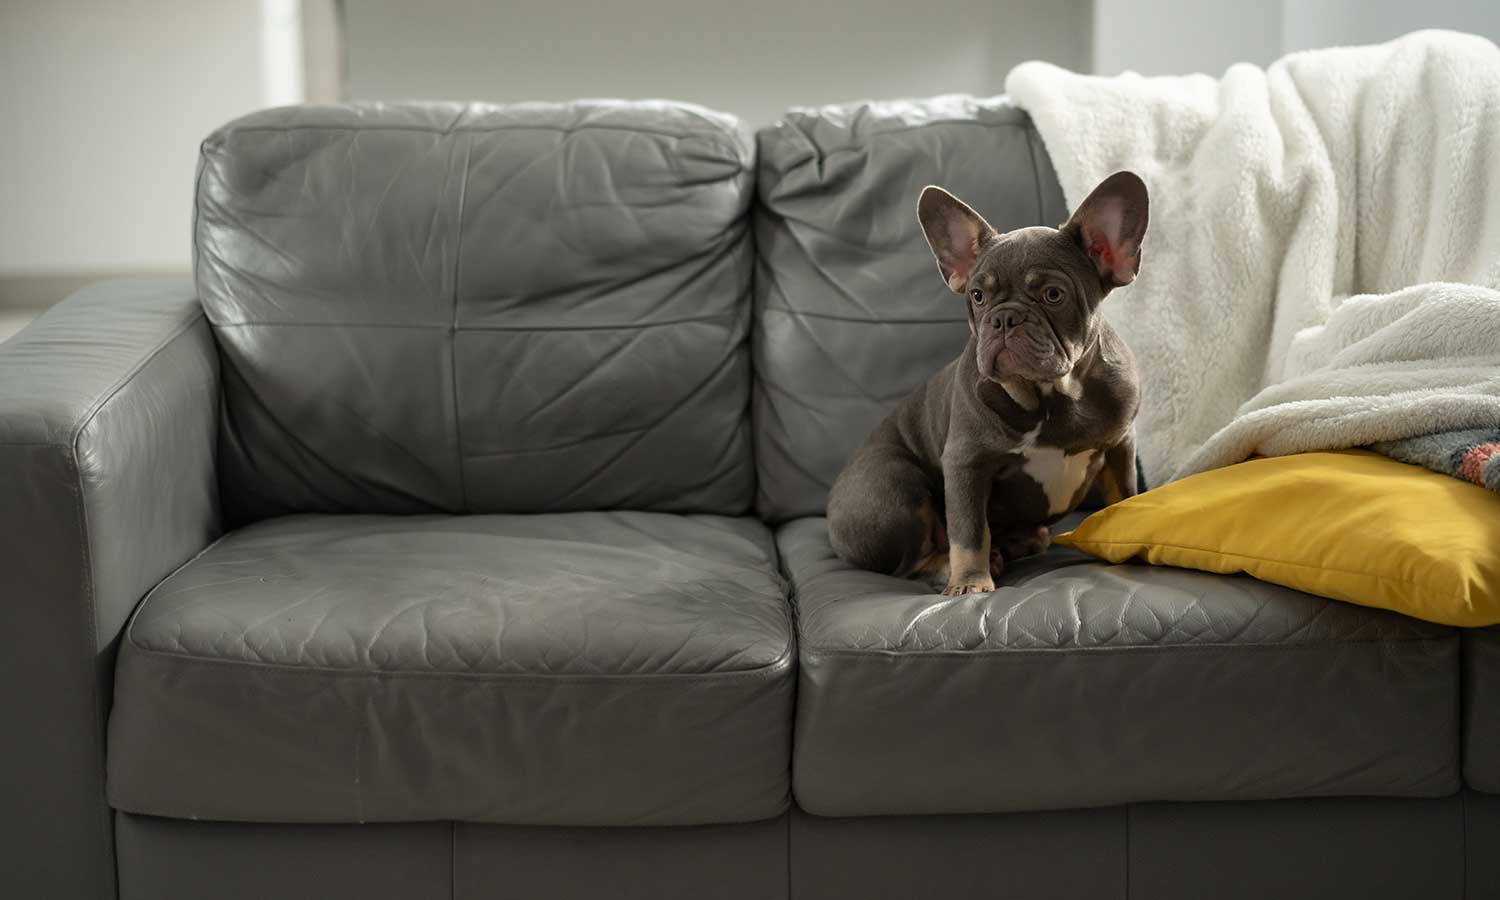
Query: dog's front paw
point(974, 584)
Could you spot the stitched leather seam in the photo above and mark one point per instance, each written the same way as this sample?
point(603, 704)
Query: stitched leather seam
point(867, 320)
point(96, 725)
point(1025, 652)
point(458, 249)
point(109, 394)
point(233, 131)
point(857, 148)
point(198, 206)
point(769, 672)
point(1463, 821)
point(439, 326)
point(1036, 178)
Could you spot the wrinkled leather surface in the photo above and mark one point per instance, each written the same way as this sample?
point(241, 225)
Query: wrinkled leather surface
point(851, 314)
point(435, 307)
point(573, 669)
point(108, 406)
point(1082, 684)
point(1481, 714)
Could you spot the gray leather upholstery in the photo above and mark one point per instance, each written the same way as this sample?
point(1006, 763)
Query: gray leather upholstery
point(725, 862)
point(1062, 854)
point(1375, 848)
point(1348, 847)
point(1393, 849)
point(1481, 837)
point(572, 669)
point(534, 308)
point(851, 314)
point(1481, 712)
point(172, 859)
point(107, 420)
point(1082, 684)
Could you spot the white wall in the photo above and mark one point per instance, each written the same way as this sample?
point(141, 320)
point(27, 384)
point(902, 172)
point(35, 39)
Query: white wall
point(1343, 22)
point(1171, 37)
point(753, 58)
point(103, 105)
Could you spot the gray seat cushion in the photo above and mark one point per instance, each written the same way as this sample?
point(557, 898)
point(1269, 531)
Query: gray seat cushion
point(1082, 684)
point(573, 669)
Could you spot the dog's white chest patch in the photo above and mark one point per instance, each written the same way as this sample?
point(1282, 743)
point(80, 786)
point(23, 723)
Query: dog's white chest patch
point(1060, 474)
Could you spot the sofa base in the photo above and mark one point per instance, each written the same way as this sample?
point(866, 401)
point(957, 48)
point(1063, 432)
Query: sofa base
point(1323, 848)
point(177, 859)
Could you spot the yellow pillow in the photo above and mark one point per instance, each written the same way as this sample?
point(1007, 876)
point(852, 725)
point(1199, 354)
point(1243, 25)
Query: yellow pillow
point(1352, 525)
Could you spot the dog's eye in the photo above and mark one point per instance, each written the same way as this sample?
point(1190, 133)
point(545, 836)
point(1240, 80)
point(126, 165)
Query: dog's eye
point(978, 296)
point(1052, 294)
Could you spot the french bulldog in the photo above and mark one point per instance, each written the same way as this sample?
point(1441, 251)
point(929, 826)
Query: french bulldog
point(969, 470)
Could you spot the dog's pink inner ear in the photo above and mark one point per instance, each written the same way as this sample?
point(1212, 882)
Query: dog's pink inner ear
point(963, 251)
point(1116, 257)
point(954, 232)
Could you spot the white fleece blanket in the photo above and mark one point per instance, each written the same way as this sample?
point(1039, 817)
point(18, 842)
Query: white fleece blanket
point(1321, 265)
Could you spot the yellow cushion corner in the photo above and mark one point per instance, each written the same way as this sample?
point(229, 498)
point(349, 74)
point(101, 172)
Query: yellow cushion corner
point(1352, 525)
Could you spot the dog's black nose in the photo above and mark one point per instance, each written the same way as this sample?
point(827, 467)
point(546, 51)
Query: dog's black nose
point(1006, 319)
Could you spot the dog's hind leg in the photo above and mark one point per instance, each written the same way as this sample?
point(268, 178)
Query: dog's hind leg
point(882, 515)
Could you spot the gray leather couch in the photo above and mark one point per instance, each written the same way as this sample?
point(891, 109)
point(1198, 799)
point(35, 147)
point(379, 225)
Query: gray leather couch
point(456, 534)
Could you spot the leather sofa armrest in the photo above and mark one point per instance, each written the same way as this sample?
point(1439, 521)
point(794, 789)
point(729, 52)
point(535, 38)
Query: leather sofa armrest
point(108, 423)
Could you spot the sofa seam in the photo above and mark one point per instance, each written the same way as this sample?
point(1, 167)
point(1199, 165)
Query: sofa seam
point(87, 418)
point(202, 163)
point(1021, 652)
point(864, 320)
point(769, 672)
point(458, 249)
point(1463, 815)
point(452, 327)
point(789, 813)
point(129, 629)
point(1036, 175)
point(823, 153)
point(233, 130)
point(96, 726)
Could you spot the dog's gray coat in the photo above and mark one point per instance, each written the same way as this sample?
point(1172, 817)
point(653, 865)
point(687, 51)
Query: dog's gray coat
point(971, 468)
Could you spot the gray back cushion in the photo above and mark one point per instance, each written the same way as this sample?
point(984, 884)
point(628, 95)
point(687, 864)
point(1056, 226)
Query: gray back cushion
point(480, 308)
point(851, 314)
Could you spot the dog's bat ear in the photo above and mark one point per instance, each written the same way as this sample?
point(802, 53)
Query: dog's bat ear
point(954, 232)
point(1109, 226)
